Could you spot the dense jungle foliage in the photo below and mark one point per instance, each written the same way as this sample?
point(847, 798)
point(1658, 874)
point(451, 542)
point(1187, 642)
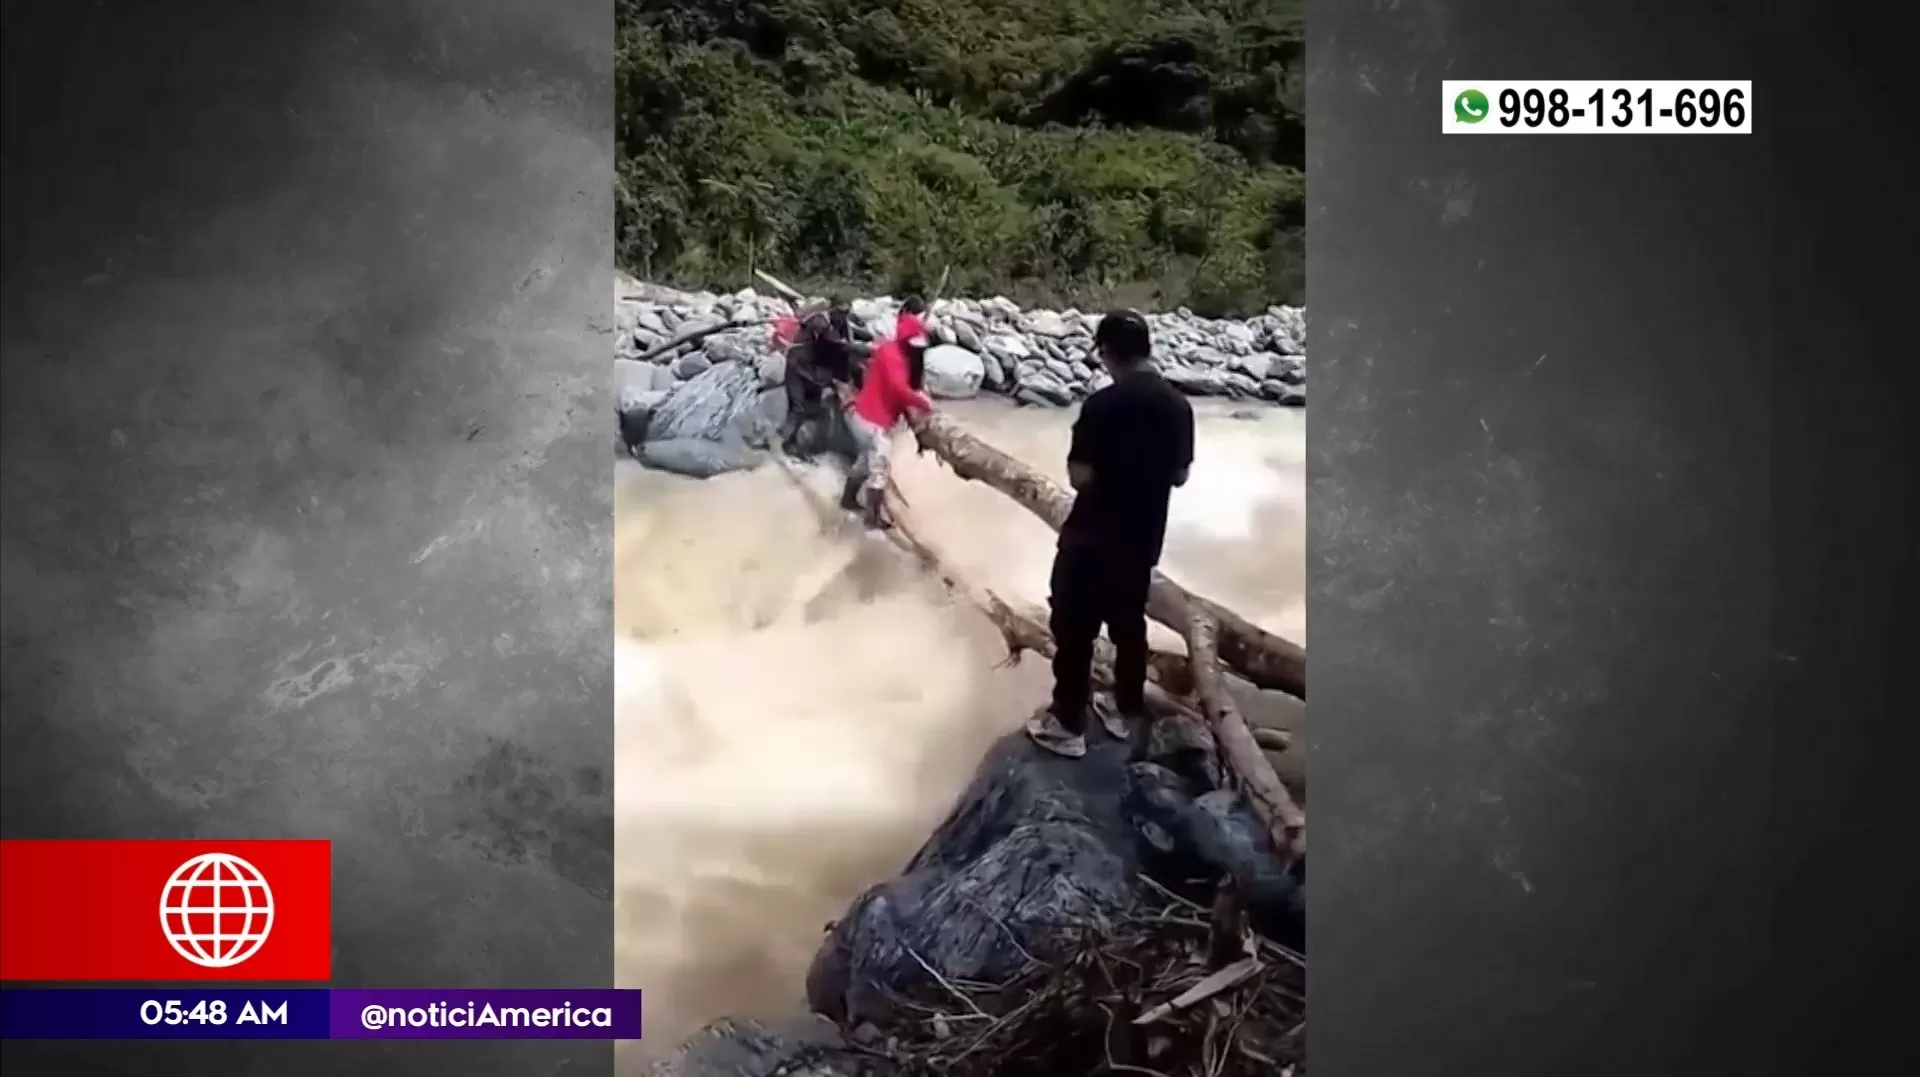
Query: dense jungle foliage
point(1069, 151)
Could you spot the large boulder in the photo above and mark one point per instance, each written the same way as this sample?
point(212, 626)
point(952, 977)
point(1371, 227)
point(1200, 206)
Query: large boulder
point(697, 458)
point(1039, 386)
point(1036, 849)
point(954, 373)
point(1036, 845)
point(768, 416)
point(711, 405)
point(691, 365)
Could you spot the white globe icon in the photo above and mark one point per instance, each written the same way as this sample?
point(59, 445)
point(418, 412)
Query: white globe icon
point(216, 910)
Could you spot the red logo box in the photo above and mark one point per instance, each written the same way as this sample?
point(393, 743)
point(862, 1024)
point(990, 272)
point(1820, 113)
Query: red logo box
point(97, 911)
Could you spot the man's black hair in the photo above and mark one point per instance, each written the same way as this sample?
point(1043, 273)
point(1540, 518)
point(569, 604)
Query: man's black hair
point(914, 305)
point(1124, 333)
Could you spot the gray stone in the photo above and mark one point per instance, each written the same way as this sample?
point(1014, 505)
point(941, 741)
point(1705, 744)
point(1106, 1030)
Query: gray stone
point(769, 414)
point(631, 380)
point(953, 372)
point(697, 458)
point(1043, 388)
point(707, 406)
point(1239, 386)
point(965, 334)
point(1008, 347)
point(994, 373)
point(1044, 323)
point(1194, 380)
point(1035, 843)
point(726, 348)
point(691, 365)
point(1253, 365)
point(773, 368)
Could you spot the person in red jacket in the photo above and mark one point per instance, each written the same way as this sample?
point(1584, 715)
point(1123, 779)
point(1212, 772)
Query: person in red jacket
point(913, 319)
point(891, 390)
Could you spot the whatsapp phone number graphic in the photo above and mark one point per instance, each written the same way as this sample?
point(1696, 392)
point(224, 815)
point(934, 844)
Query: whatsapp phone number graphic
point(1674, 107)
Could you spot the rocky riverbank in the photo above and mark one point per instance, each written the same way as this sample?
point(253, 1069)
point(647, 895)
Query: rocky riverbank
point(708, 405)
point(1038, 851)
point(988, 345)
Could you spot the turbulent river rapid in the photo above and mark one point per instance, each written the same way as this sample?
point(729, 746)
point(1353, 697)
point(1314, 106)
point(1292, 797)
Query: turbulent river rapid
point(794, 714)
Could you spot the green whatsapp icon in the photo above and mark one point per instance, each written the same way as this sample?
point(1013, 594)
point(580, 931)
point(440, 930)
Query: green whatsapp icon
point(1470, 106)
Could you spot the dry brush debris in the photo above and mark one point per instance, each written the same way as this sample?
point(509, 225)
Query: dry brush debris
point(1148, 996)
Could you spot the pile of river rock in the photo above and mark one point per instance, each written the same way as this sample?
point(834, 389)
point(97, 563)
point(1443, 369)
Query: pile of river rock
point(717, 397)
point(1036, 847)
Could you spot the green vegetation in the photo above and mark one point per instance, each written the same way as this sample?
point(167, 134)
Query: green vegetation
point(1083, 151)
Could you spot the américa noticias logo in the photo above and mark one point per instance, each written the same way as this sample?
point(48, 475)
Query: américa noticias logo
point(1470, 106)
point(216, 910)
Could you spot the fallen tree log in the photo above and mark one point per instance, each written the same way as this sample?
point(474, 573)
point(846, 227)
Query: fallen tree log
point(1239, 748)
point(1221, 727)
point(1024, 630)
point(1263, 658)
point(1234, 740)
point(698, 335)
point(1020, 628)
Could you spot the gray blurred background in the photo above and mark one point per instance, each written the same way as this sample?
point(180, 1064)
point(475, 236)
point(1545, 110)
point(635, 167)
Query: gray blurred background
point(306, 476)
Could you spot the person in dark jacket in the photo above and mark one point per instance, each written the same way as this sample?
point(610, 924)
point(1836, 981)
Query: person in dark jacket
point(1132, 445)
point(822, 355)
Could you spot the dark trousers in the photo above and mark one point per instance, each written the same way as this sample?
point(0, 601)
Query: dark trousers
point(1094, 587)
point(806, 403)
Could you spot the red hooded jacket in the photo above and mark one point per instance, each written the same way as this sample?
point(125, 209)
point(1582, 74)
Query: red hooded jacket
point(887, 395)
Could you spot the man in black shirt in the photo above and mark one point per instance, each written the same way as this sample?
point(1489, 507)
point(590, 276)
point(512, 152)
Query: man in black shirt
point(1132, 444)
point(821, 356)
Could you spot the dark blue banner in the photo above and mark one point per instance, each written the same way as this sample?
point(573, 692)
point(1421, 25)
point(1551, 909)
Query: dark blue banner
point(164, 1014)
point(317, 1014)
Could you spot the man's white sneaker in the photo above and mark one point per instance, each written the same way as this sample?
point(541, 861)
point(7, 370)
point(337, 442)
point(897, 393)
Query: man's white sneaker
point(1045, 729)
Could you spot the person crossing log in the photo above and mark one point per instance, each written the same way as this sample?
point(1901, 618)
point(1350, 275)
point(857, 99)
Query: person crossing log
point(1207, 712)
point(1215, 635)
